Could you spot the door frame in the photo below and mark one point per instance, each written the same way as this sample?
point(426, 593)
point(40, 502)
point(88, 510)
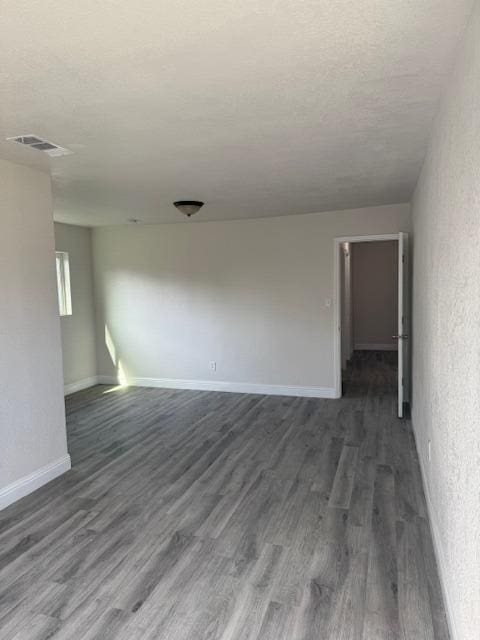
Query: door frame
point(337, 295)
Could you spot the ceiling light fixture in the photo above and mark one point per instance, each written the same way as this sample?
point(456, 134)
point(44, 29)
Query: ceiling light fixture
point(188, 207)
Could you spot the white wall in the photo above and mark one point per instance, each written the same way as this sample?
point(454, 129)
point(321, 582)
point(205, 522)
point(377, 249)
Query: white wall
point(78, 330)
point(33, 445)
point(375, 294)
point(249, 295)
point(446, 334)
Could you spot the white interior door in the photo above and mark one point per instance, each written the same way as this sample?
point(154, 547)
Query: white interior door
point(403, 324)
point(346, 288)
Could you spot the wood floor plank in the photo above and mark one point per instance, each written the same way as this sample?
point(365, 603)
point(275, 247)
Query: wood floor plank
point(381, 615)
point(344, 478)
point(439, 617)
point(415, 612)
point(254, 599)
point(278, 622)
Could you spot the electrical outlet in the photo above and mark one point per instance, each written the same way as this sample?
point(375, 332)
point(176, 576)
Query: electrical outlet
point(429, 450)
point(213, 365)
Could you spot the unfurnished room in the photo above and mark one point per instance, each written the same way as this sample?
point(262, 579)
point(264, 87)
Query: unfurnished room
point(239, 323)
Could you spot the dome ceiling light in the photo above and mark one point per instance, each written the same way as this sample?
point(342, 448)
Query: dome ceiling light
point(188, 207)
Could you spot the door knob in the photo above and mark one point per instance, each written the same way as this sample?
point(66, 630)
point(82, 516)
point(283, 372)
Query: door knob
point(403, 336)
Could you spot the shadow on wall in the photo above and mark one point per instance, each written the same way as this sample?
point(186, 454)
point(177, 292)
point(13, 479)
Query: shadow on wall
point(116, 361)
point(172, 328)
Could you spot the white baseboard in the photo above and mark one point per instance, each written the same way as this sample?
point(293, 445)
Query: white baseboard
point(21, 488)
point(438, 549)
point(376, 347)
point(81, 384)
point(234, 387)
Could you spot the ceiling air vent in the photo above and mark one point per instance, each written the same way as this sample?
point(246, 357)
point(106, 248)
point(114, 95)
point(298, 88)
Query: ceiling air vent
point(26, 140)
point(35, 142)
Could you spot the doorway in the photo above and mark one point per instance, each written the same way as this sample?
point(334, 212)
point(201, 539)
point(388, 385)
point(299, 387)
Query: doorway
point(371, 308)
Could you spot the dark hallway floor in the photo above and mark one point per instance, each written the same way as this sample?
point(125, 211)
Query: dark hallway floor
point(194, 515)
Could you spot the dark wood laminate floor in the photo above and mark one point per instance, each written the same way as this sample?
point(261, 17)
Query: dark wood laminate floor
point(195, 515)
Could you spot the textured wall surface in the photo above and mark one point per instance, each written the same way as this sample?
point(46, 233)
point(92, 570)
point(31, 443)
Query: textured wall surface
point(78, 330)
point(249, 295)
point(446, 333)
point(32, 415)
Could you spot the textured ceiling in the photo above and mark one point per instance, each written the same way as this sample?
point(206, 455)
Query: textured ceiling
point(257, 107)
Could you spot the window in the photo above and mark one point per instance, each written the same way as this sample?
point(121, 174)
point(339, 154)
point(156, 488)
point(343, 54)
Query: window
point(63, 283)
